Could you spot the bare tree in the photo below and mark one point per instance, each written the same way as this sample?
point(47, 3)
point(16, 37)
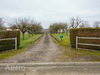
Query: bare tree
point(21, 24)
point(34, 28)
point(96, 24)
point(75, 22)
point(58, 27)
point(78, 22)
point(84, 24)
point(37, 28)
point(2, 24)
point(12, 26)
point(66, 28)
point(26, 25)
point(29, 28)
point(72, 23)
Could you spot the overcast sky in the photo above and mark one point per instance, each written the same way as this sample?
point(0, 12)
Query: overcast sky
point(49, 11)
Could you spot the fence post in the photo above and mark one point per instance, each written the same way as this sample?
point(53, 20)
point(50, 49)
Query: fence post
point(76, 42)
point(15, 43)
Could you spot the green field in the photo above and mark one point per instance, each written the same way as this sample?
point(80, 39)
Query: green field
point(23, 46)
point(76, 54)
point(66, 39)
point(28, 40)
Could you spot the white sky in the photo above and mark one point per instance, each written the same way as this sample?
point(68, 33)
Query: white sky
point(49, 11)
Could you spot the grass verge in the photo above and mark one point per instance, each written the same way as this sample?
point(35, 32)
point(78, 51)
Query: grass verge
point(77, 55)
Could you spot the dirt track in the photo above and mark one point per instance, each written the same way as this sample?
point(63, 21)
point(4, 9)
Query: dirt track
point(46, 50)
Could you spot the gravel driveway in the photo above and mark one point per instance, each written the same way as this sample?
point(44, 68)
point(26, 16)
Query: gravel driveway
point(46, 50)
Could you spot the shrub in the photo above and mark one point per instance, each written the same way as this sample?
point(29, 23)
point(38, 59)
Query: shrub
point(85, 32)
point(9, 44)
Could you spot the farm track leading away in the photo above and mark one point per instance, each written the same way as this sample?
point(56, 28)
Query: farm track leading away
point(46, 50)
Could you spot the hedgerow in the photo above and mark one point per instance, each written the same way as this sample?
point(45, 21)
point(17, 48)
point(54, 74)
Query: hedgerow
point(9, 44)
point(85, 32)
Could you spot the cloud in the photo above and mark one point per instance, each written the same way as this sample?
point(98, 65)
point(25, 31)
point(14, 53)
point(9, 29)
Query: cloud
point(49, 11)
